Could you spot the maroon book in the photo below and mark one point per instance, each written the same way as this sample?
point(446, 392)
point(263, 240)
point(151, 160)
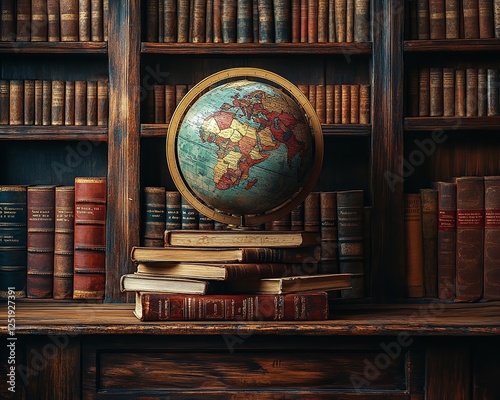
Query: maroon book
point(492, 238)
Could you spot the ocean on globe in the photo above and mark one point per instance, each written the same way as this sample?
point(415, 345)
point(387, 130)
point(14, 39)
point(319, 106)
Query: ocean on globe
point(245, 148)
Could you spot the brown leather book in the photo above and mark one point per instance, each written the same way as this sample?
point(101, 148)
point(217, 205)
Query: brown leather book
point(340, 20)
point(244, 17)
point(102, 103)
point(423, 19)
point(437, 19)
point(4, 101)
point(169, 21)
point(329, 262)
point(182, 21)
point(446, 240)
point(471, 19)
point(228, 19)
point(218, 21)
point(452, 19)
point(470, 231)
point(297, 218)
point(329, 103)
point(8, 21)
point(412, 83)
point(180, 92)
point(312, 21)
point(199, 21)
point(46, 102)
point(491, 238)
point(23, 20)
point(209, 21)
point(322, 21)
point(414, 245)
point(471, 87)
point(354, 114)
point(84, 15)
point(429, 198)
point(321, 103)
point(29, 102)
point(460, 93)
point(38, 102)
point(153, 211)
point(424, 92)
point(152, 16)
point(312, 95)
point(169, 102)
point(89, 238)
point(436, 92)
point(266, 21)
point(69, 103)
point(282, 21)
point(312, 215)
point(295, 20)
point(105, 19)
point(69, 20)
point(364, 104)
point(63, 242)
point(283, 223)
point(16, 102)
point(349, 27)
point(57, 105)
point(159, 96)
point(448, 92)
point(492, 92)
point(485, 11)
point(496, 18)
point(80, 103)
point(361, 20)
point(337, 104)
point(304, 29)
point(331, 21)
point(39, 21)
point(304, 89)
point(482, 92)
point(205, 223)
point(96, 32)
point(40, 261)
point(91, 103)
point(173, 210)
point(346, 104)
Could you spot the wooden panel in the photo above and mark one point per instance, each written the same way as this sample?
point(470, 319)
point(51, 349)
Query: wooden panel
point(53, 47)
point(486, 370)
point(452, 45)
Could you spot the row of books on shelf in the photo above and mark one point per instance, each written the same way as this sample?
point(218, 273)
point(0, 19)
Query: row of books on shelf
point(453, 239)
point(56, 102)
point(53, 239)
point(263, 21)
point(453, 19)
point(336, 223)
point(448, 92)
point(54, 20)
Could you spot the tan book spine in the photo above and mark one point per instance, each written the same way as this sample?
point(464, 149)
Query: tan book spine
point(471, 19)
point(218, 21)
point(349, 28)
point(304, 28)
point(321, 103)
point(486, 24)
point(84, 20)
point(364, 104)
point(159, 96)
point(39, 21)
point(91, 103)
point(448, 92)
point(4, 101)
point(170, 21)
point(452, 19)
point(414, 245)
point(361, 20)
point(482, 92)
point(105, 20)
point(423, 19)
point(460, 93)
point(199, 23)
point(323, 21)
point(29, 102)
point(69, 20)
point(69, 103)
point(102, 103)
point(96, 32)
point(57, 108)
point(436, 92)
point(340, 20)
point(312, 21)
point(80, 103)
point(304, 89)
point(38, 102)
point(169, 102)
point(329, 103)
point(337, 104)
point(354, 117)
point(46, 102)
point(424, 92)
point(492, 92)
point(437, 24)
point(16, 107)
point(346, 104)
point(471, 87)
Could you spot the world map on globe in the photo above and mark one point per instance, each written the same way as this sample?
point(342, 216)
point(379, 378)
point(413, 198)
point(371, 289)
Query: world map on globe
point(245, 147)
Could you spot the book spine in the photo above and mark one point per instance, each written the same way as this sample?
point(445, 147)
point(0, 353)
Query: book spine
point(414, 245)
point(311, 94)
point(89, 238)
point(80, 103)
point(23, 20)
point(423, 19)
point(323, 21)
point(304, 4)
point(180, 92)
point(486, 24)
point(173, 213)
point(153, 216)
point(361, 20)
point(436, 92)
point(57, 104)
point(329, 233)
point(91, 103)
point(244, 16)
point(228, 21)
point(13, 231)
point(295, 21)
point(312, 21)
point(469, 247)
point(169, 102)
point(69, 103)
point(159, 107)
point(429, 198)
point(39, 21)
point(491, 238)
point(329, 103)
point(169, 21)
point(424, 93)
point(460, 91)
point(266, 21)
point(496, 18)
point(482, 92)
point(189, 215)
point(471, 19)
point(8, 21)
point(452, 19)
point(448, 92)
point(354, 113)
point(471, 87)
point(96, 19)
point(205, 223)
point(84, 20)
point(312, 215)
point(102, 103)
point(346, 104)
point(364, 104)
point(38, 102)
point(69, 20)
point(4, 101)
point(40, 258)
point(255, 20)
point(16, 102)
point(492, 92)
point(331, 22)
point(282, 20)
point(63, 242)
point(29, 102)
point(321, 103)
point(218, 21)
point(105, 20)
point(340, 20)
point(412, 83)
point(337, 104)
point(46, 102)
point(349, 28)
point(283, 223)
point(297, 218)
point(182, 21)
point(152, 15)
point(437, 19)
point(199, 21)
point(209, 21)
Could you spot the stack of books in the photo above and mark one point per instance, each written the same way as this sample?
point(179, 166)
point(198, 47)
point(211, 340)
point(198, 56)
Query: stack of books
point(232, 275)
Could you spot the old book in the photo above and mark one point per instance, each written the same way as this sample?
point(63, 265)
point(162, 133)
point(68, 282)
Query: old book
point(346, 104)
point(165, 284)
point(169, 102)
point(412, 85)
point(4, 101)
point(159, 100)
point(282, 21)
point(297, 218)
point(424, 92)
point(413, 245)
point(90, 238)
point(311, 93)
point(105, 20)
point(46, 102)
point(340, 20)
point(57, 104)
point(161, 24)
point(236, 238)
point(446, 239)
point(84, 15)
point(323, 21)
point(209, 22)
point(312, 216)
point(169, 21)
point(331, 22)
point(283, 223)
point(295, 28)
point(38, 102)
point(469, 244)
point(69, 20)
point(8, 21)
point(312, 21)
point(91, 103)
point(182, 21)
point(228, 255)
point(337, 104)
point(80, 103)
point(152, 16)
point(460, 90)
point(350, 239)
point(53, 17)
point(448, 92)
point(180, 92)
point(69, 103)
point(96, 29)
point(199, 22)
point(321, 103)
point(485, 15)
point(452, 19)
point(329, 233)
point(39, 21)
point(266, 21)
point(228, 21)
point(471, 19)
point(329, 103)
point(361, 20)
point(429, 198)
point(29, 102)
point(437, 19)
point(189, 215)
point(304, 4)
point(471, 91)
point(16, 102)
point(349, 27)
point(492, 91)
point(423, 19)
point(173, 210)
point(151, 306)
point(482, 92)
point(13, 231)
point(354, 113)
point(102, 103)
point(23, 20)
point(364, 104)
point(205, 223)
point(291, 284)
point(244, 16)
point(63, 242)
point(153, 212)
point(217, 21)
point(436, 92)
point(40, 240)
point(496, 18)
point(491, 238)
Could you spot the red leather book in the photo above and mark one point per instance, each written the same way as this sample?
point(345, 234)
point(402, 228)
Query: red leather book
point(492, 238)
point(151, 306)
point(90, 238)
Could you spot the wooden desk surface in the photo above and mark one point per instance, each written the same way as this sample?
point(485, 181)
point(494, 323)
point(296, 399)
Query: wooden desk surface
point(422, 319)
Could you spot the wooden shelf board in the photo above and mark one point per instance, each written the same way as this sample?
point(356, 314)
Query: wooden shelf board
point(451, 123)
point(160, 130)
point(257, 48)
point(24, 132)
point(54, 47)
point(452, 45)
point(433, 319)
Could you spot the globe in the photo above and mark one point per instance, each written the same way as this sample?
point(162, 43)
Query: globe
point(244, 151)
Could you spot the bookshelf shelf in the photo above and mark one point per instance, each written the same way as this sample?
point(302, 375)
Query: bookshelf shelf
point(452, 45)
point(15, 132)
point(451, 123)
point(53, 47)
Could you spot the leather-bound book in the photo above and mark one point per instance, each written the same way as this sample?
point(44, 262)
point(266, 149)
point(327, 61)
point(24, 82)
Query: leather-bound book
point(322, 21)
point(491, 238)
point(471, 19)
point(311, 94)
point(53, 17)
point(349, 27)
point(452, 19)
point(96, 28)
point(312, 215)
point(266, 21)
point(169, 102)
point(471, 92)
point(39, 21)
point(460, 90)
point(152, 16)
point(482, 92)
point(16, 102)
point(295, 20)
point(446, 240)
point(304, 29)
point(169, 21)
point(283, 223)
point(23, 20)
point(69, 20)
point(244, 17)
point(205, 223)
point(209, 22)
point(340, 20)
point(496, 18)
point(329, 103)
point(312, 21)
point(173, 211)
point(282, 21)
point(189, 215)
point(46, 102)
point(80, 103)
point(91, 103)
point(57, 104)
point(228, 18)
point(102, 103)
point(436, 92)
point(4, 101)
point(423, 19)
point(13, 232)
point(63, 242)
point(424, 92)
point(297, 218)
point(153, 212)
point(346, 104)
point(40, 259)
point(321, 103)
point(337, 104)
point(470, 231)
point(429, 198)
point(485, 11)
point(361, 20)
point(69, 103)
point(437, 19)
point(354, 114)
point(492, 92)
point(413, 245)
point(364, 104)
point(199, 21)
point(412, 84)
point(29, 102)
point(218, 21)
point(84, 15)
point(161, 21)
point(38, 102)
point(329, 233)
point(448, 92)
point(331, 22)
point(180, 92)
point(159, 96)
point(182, 21)
point(8, 21)
point(89, 238)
